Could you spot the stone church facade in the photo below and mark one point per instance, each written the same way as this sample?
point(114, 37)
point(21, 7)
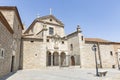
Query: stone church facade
point(45, 45)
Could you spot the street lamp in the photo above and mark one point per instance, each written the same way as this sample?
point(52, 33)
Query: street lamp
point(94, 48)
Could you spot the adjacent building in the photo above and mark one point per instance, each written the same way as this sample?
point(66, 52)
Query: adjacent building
point(10, 39)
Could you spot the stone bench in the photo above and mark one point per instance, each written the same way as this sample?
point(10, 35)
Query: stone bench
point(102, 73)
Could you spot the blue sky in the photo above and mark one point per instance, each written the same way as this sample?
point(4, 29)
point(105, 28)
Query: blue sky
point(97, 18)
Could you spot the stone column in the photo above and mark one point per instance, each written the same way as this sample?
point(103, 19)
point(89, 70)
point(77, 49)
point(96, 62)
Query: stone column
point(51, 59)
point(67, 59)
point(59, 60)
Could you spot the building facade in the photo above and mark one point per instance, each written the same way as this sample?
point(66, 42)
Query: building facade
point(10, 39)
point(45, 45)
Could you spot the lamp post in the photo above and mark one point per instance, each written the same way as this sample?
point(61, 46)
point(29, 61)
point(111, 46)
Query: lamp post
point(94, 48)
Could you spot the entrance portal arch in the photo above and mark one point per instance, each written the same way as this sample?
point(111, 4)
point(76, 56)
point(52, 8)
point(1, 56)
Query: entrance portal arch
point(63, 59)
point(72, 60)
point(55, 59)
point(48, 58)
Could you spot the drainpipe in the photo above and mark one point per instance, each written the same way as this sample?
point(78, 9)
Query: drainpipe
point(118, 60)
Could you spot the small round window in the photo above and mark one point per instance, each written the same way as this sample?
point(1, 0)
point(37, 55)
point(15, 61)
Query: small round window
point(50, 19)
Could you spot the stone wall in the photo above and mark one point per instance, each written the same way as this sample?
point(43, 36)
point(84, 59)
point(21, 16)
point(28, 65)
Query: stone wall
point(5, 43)
point(75, 42)
point(17, 41)
point(106, 54)
point(87, 56)
point(9, 15)
point(117, 54)
point(34, 54)
point(12, 19)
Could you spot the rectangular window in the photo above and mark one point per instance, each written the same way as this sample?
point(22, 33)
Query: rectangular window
point(82, 38)
point(51, 31)
point(47, 40)
point(71, 47)
point(2, 52)
point(111, 53)
point(113, 66)
point(62, 42)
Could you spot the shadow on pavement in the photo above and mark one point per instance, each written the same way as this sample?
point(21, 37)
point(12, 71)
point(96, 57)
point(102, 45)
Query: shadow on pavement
point(7, 76)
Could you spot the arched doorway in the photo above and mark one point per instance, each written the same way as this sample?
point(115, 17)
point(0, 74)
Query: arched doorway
point(48, 59)
point(72, 60)
point(63, 59)
point(55, 59)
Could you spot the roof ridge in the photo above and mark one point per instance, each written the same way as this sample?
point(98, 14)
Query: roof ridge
point(96, 39)
point(43, 17)
point(16, 11)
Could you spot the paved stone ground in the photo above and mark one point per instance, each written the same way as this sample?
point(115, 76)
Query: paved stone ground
point(62, 74)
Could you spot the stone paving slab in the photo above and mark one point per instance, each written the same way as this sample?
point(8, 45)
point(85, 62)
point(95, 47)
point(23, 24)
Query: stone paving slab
point(62, 74)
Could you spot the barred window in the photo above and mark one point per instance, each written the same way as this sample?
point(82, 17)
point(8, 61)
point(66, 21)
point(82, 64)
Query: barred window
point(2, 52)
point(51, 31)
point(71, 47)
point(111, 53)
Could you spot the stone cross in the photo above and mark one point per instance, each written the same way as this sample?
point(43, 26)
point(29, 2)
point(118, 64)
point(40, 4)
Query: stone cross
point(50, 11)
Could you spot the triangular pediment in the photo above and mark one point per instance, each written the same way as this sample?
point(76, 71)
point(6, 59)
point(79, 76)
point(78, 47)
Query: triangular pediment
point(50, 19)
point(46, 20)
